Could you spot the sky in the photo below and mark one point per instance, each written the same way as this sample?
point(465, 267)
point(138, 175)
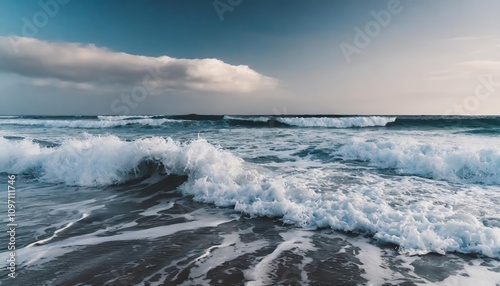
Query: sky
point(69, 57)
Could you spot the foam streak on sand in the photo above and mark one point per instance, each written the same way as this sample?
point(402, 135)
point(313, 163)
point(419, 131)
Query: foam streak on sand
point(56, 233)
point(295, 241)
point(228, 250)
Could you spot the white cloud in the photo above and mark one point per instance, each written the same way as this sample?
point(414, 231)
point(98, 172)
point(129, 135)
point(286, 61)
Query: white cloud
point(74, 65)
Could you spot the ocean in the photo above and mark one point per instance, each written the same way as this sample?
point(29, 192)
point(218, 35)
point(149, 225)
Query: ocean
point(251, 200)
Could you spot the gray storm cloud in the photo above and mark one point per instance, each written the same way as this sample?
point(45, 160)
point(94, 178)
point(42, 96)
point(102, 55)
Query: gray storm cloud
point(74, 65)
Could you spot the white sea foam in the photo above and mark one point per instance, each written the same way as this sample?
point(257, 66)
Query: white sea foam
point(341, 122)
point(372, 263)
point(86, 123)
point(56, 233)
point(229, 249)
point(472, 164)
point(298, 242)
point(248, 118)
point(474, 273)
point(218, 177)
point(122, 117)
point(155, 210)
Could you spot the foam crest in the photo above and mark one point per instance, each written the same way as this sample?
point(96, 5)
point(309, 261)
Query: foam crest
point(89, 162)
point(122, 117)
point(248, 118)
point(469, 164)
point(343, 122)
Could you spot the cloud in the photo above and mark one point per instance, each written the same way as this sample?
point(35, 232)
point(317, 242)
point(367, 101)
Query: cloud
point(75, 65)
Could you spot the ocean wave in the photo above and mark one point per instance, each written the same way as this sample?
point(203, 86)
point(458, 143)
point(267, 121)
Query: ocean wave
point(327, 122)
point(248, 118)
point(122, 117)
point(253, 121)
point(490, 124)
point(437, 161)
point(84, 123)
point(340, 122)
point(218, 177)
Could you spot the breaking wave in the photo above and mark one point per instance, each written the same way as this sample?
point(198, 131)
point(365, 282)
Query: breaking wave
point(326, 122)
point(343, 122)
point(431, 160)
point(218, 177)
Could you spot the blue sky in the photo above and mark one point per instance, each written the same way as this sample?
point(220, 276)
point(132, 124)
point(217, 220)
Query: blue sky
point(269, 57)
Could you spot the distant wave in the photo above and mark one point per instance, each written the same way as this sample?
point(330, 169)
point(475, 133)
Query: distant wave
point(327, 122)
point(218, 177)
point(343, 122)
point(253, 121)
point(483, 124)
point(248, 118)
point(123, 117)
point(108, 123)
